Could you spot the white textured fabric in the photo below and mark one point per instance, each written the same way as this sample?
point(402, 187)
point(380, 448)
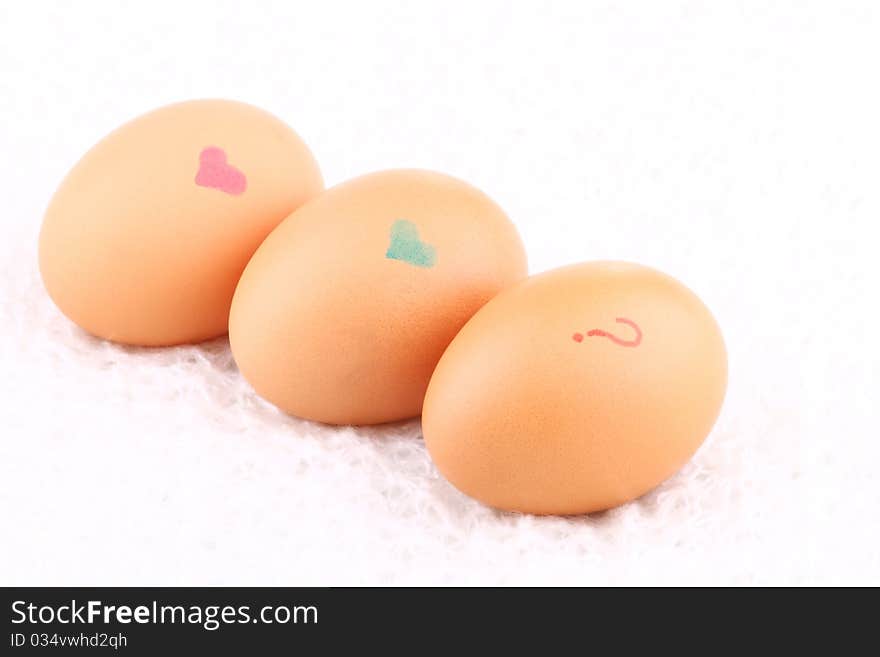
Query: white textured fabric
point(733, 145)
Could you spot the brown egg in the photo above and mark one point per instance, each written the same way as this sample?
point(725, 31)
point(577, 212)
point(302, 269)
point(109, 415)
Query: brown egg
point(576, 390)
point(145, 239)
point(343, 312)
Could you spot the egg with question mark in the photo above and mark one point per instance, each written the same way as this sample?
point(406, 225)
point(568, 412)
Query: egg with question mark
point(145, 239)
point(576, 390)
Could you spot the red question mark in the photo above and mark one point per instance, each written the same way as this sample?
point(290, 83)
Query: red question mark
point(578, 337)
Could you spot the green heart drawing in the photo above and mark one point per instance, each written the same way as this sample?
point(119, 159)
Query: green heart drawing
point(406, 245)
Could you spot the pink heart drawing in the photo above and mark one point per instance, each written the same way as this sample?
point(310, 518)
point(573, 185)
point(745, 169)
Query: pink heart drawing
point(215, 173)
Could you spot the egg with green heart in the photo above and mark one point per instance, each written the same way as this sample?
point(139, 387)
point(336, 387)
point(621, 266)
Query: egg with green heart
point(345, 309)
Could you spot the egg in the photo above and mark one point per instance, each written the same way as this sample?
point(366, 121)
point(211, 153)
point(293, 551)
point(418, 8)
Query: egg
point(576, 390)
point(345, 309)
point(145, 239)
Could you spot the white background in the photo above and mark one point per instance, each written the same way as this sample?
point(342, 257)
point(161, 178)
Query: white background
point(734, 145)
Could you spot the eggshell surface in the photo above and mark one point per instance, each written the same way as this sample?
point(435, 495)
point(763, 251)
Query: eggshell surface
point(145, 239)
point(576, 390)
point(344, 310)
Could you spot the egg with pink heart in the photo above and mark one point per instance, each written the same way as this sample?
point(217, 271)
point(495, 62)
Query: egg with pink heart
point(146, 237)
